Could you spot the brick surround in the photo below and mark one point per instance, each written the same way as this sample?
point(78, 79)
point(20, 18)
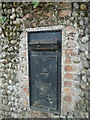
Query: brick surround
point(68, 68)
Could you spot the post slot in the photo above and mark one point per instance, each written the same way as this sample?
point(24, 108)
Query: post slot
point(43, 46)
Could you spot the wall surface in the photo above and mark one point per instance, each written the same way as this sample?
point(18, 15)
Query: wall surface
point(14, 81)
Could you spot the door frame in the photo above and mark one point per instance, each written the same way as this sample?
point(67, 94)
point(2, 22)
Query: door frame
point(51, 28)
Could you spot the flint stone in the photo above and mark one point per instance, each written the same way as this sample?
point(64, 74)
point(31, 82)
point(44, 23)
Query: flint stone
point(74, 14)
point(84, 108)
point(11, 28)
point(9, 104)
point(7, 34)
point(12, 71)
point(9, 11)
point(11, 23)
point(13, 16)
point(81, 32)
point(11, 34)
point(82, 101)
point(6, 108)
point(15, 28)
point(87, 30)
point(13, 10)
point(82, 56)
point(14, 34)
point(86, 115)
point(18, 34)
point(5, 101)
point(87, 94)
point(5, 11)
point(81, 22)
point(88, 79)
point(84, 39)
point(81, 94)
point(82, 14)
point(88, 4)
point(83, 7)
point(13, 98)
point(18, 15)
point(6, 113)
point(21, 15)
point(5, 46)
point(10, 49)
point(84, 71)
point(9, 92)
point(77, 77)
point(87, 103)
point(13, 42)
point(86, 21)
point(88, 109)
point(10, 82)
point(24, 109)
point(17, 21)
point(88, 72)
point(83, 86)
point(13, 104)
point(76, 5)
point(87, 46)
point(76, 60)
point(84, 79)
point(82, 47)
point(88, 87)
point(19, 110)
point(86, 65)
point(13, 109)
point(77, 85)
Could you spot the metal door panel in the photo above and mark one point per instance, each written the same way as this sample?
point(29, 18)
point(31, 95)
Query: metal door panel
point(45, 36)
point(44, 80)
point(45, 70)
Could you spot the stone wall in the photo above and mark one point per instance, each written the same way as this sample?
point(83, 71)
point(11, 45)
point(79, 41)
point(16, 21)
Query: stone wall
point(74, 17)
